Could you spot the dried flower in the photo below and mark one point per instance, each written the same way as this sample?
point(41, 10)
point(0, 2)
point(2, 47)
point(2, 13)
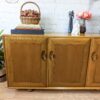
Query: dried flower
point(86, 15)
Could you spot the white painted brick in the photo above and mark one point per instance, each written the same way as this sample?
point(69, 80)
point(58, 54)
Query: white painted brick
point(54, 14)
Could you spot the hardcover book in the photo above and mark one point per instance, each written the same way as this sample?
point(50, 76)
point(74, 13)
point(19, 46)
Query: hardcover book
point(27, 31)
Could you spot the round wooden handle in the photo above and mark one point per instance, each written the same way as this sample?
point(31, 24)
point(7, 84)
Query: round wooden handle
point(44, 55)
point(94, 56)
point(51, 55)
point(30, 3)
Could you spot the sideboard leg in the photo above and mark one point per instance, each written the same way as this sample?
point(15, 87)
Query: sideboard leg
point(31, 90)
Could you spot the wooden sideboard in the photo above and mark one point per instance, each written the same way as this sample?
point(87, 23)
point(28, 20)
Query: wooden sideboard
point(52, 62)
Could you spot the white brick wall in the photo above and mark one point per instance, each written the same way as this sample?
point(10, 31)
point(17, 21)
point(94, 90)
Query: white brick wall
point(54, 14)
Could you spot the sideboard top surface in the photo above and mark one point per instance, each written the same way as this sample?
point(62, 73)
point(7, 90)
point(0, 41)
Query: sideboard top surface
point(54, 35)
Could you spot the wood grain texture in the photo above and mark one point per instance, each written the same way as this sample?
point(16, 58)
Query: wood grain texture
point(23, 61)
point(93, 73)
point(65, 67)
point(69, 66)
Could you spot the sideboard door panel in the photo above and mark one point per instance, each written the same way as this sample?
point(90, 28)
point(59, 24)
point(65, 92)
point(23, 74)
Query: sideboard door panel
point(93, 73)
point(25, 67)
point(68, 61)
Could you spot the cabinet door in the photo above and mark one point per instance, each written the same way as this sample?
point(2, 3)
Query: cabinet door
point(93, 73)
point(68, 60)
point(25, 60)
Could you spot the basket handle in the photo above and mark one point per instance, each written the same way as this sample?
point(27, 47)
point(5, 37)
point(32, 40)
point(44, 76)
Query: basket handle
point(31, 3)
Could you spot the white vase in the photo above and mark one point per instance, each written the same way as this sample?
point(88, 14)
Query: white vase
point(76, 29)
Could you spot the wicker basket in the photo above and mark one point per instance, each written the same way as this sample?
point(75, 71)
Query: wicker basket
point(28, 19)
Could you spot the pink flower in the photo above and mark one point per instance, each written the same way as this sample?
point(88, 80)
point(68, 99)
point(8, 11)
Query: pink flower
point(84, 15)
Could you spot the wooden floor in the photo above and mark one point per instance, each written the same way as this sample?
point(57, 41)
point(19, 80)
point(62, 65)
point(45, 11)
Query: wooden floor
point(12, 94)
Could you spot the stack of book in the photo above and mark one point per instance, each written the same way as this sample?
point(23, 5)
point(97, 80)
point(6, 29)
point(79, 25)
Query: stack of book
point(27, 29)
